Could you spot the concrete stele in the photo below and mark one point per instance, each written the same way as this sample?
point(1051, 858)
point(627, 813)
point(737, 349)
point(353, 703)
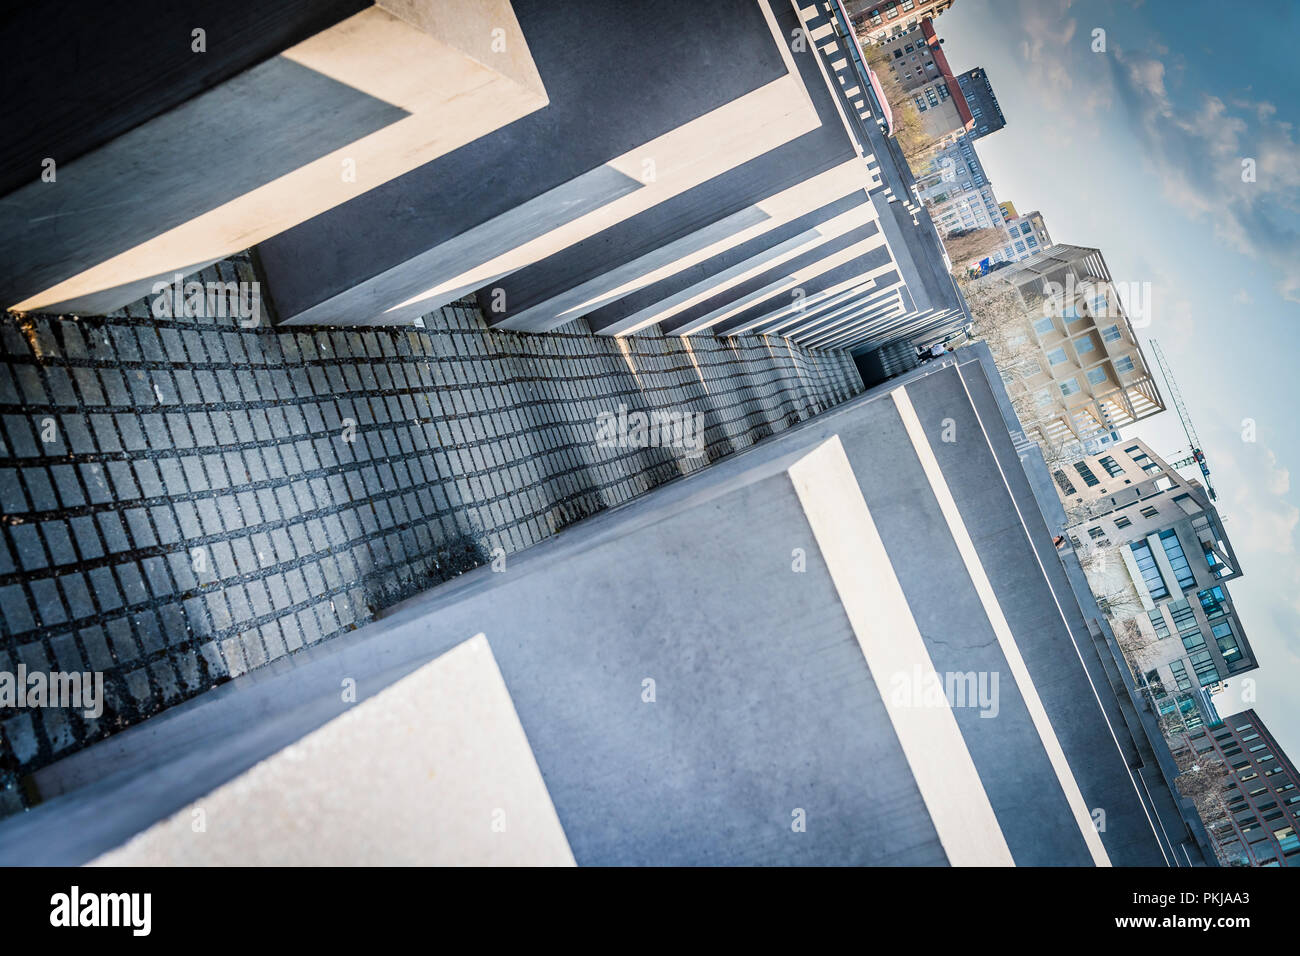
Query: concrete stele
point(891, 642)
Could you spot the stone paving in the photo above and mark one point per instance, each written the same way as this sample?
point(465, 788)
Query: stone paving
point(187, 499)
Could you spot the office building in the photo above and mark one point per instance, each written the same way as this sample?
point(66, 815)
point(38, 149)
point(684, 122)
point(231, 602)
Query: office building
point(1261, 800)
point(1176, 558)
point(1026, 237)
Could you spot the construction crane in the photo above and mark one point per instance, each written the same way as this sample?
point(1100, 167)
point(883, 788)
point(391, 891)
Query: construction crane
point(1197, 456)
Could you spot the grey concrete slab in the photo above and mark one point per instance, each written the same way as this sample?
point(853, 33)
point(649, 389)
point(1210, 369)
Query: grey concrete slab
point(855, 269)
point(344, 98)
point(750, 722)
point(80, 76)
point(1012, 763)
point(374, 235)
point(611, 318)
point(692, 213)
point(757, 664)
point(305, 115)
point(1072, 695)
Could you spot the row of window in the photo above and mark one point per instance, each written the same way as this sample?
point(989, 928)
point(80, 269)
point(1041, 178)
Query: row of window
point(890, 11)
point(1095, 376)
point(1047, 325)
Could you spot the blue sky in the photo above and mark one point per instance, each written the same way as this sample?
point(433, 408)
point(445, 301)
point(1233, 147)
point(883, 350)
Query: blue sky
point(1137, 150)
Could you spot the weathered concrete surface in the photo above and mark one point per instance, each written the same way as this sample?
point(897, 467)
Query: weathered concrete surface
point(561, 174)
point(466, 791)
point(314, 124)
point(325, 474)
point(763, 700)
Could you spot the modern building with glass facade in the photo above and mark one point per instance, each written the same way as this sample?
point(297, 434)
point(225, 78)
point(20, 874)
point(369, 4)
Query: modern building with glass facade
point(1176, 558)
point(1262, 796)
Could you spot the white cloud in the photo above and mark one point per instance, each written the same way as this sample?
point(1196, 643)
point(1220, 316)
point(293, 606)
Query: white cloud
point(1200, 153)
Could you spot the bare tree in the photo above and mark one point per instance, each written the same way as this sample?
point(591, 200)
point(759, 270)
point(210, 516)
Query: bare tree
point(1202, 779)
point(1130, 637)
point(1003, 317)
point(908, 127)
point(1133, 643)
point(1001, 320)
point(968, 245)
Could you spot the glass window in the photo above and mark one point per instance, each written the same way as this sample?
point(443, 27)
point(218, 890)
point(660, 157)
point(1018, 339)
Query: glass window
point(1112, 467)
point(1057, 357)
point(1086, 474)
point(1122, 522)
point(1084, 346)
point(1227, 641)
point(1024, 228)
point(1174, 551)
point(1069, 387)
point(1207, 672)
point(1212, 601)
point(1146, 563)
point(1096, 375)
point(1110, 334)
point(1124, 364)
point(1043, 325)
point(1063, 482)
point(1158, 622)
point(1185, 621)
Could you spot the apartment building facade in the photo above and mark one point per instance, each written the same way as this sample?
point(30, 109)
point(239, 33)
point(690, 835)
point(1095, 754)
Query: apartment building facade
point(1176, 558)
point(957, 191)
point(1027, 236)
point(917, 61)
point(1262, 796)
point(1077, 353)
point(877, 21)
point(983, 102)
